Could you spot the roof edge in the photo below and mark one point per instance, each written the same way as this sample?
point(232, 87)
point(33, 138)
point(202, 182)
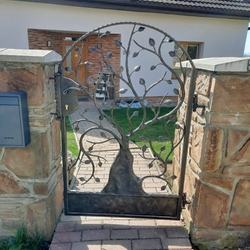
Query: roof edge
point(149, 7)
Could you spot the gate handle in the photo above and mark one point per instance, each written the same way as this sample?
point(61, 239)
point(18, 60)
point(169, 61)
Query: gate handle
point(65, 91)
point(195, 103)
point(184, 200)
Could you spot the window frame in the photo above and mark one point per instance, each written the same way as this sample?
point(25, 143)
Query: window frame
point(185, 45)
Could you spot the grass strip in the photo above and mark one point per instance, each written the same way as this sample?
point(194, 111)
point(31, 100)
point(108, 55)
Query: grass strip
point(153, 131)
point(71, 141)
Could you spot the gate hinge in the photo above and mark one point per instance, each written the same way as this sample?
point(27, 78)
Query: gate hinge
point(54, 77)
point(195, 103)
point(184, 200)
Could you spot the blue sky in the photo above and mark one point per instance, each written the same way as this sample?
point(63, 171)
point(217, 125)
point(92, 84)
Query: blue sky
point(247, 46)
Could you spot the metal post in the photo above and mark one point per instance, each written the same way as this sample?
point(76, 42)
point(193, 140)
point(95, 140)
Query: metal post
point(186, 139)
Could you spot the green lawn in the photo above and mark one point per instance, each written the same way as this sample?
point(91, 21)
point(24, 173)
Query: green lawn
point(153, 131)
point(71, 141)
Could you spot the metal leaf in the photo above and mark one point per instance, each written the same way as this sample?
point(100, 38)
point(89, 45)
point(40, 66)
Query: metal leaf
point(163, 188)
point(141, 29)
point(152, 67)
point(144, 148)
point(168, 41)
point(87, 63)
point(107, 33)
point(150, 165)
point(176, 91)
point(97, 179)
point(173, 177)
point(90, 148)
point(151, 42)
point(100, 164)
point(76, 127)
point(77, 50)
point(142, 81)
point(136, 53)
point(99, 46)
point(109, 55)
point(169, 82)
point(135, 113)
point(92, 49)
point(172, 53)
point(103, 134)
point(109, 67)
point(101, 117)
point(118, 43)
point(163, 148)
point(82, 179)
point(87, 162)
point(122, 91)
point(121, 69)
point(137, 68)
point(67, 68)
point(90, 81)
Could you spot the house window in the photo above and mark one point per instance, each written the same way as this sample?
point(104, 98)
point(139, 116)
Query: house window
point(192, 48)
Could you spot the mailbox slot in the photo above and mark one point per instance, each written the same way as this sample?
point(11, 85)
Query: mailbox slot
point(14, 120)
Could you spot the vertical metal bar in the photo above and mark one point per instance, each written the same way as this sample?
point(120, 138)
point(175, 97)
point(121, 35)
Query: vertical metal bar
point(65, 163)
point(61, 117)
point(186, 139)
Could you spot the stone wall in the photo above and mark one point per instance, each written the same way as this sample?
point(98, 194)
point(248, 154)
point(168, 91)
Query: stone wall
point(31, 190)
point(217, 178)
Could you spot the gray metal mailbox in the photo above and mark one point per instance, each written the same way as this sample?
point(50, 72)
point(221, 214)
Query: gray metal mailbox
point(14, 120)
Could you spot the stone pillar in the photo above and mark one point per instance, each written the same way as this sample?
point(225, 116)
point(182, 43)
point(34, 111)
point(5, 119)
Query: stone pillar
point(31, 191)
point(218, 167)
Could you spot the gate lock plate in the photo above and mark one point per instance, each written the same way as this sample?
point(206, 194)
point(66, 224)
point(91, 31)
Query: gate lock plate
point(67, 96)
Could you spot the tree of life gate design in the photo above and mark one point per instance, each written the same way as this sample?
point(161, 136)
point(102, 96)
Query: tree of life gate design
point(143, 65)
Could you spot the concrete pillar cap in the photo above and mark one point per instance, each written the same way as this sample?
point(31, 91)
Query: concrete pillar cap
point(29, 56)
point(221, 64)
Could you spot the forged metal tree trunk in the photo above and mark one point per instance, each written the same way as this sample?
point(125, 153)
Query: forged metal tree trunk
point(122, 179)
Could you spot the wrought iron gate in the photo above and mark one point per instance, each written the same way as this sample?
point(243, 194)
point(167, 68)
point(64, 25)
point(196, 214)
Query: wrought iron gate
point(124, 192)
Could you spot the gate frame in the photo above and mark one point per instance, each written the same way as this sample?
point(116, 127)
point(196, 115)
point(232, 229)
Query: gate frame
point(60, 90)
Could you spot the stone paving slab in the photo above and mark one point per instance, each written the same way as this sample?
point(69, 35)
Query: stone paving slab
point(85, 232)
point(114, 233)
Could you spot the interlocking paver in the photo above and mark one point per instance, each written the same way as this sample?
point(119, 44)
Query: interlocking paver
point(66, 226)
point(87, 245)
point(124, 234)
point(71, 218)
point(146, 244)
point(61, 237)
point(168, 223)
point(177, 232)
point(96, 234)
point(84, 225)
point(142, 223)
point(116, 245)
point(176, 243)
point(60, 246)
point(116, 224)
point(149, 233)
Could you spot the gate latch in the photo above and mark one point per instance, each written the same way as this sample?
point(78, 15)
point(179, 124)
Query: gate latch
point(66, 96)
point(184, 200)
point(195, 103)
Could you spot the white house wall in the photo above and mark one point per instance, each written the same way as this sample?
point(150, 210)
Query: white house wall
point(221, 37)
